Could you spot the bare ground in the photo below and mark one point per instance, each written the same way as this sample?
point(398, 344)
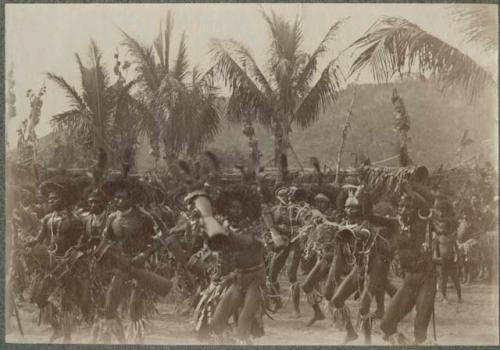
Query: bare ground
point(474, 322)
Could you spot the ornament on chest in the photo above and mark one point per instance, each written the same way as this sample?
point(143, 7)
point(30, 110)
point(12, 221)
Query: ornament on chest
point(61, 221)
point(404, 229)
point(284, 215)
point(126, 226)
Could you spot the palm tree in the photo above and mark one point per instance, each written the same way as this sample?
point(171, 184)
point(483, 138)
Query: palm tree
point(102, 114)
point(182, 103)
point(284, 94)
point(396, 46)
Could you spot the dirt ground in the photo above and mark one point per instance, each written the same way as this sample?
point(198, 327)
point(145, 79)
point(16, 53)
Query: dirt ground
point(474, 322)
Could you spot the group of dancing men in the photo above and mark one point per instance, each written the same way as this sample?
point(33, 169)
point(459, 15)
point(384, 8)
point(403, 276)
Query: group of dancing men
point(104, 250)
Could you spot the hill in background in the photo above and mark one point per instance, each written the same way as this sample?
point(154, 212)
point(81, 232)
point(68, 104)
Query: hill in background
point(437, 124)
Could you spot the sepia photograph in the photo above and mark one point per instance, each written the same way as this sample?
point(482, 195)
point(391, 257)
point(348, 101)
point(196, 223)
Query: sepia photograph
point(292, 174)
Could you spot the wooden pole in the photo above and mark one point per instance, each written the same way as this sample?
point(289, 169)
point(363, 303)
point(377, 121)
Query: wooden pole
point(345, 129)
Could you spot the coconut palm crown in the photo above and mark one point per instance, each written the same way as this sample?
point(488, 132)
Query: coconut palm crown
point(181, 102)
point(101, 115)
point(285, 93)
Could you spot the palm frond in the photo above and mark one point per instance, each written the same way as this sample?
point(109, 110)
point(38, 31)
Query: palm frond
point(195, 76)
point(76, 101)
point(181, 63)
point(201, 119)
point(286, 38)
point(479, 23)
point(158, 45)
point(97, 80)
point(246, 97)
point(147, 123)
point(246, 59)
point(204, 129)
point(193, 118)
point(94, 80)
point(166, 108)
point(168, 95)
point(121, 106)
point(395, 45)
point(74, 122)
point(144, 59)
point(95, 56)
point(204, 82)
point(325, 91)
point(210, 120)
point(142, 109)
point(309, 69)
point(285, 57)
point(169, 25)
point(68, 118)
point(79, 121)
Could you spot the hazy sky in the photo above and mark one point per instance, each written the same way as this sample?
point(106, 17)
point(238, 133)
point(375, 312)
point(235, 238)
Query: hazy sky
point(44, 37)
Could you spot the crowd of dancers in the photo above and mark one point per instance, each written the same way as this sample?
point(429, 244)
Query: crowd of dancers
point(103, 250)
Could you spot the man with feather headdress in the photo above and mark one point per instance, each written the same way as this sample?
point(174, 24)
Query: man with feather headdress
point(319, 245)
point(364, 244)
point(444, 226)
point(185, 239)
point(94, 220)
point(245, 248)
point(285, 225)
point(129, 231)
point(416, 251)
point(62, 233)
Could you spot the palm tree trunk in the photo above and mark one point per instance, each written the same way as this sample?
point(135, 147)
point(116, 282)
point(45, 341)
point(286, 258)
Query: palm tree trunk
point(170, 156)
point(278, 141)
point(253, 146)
point(277, 150)
point(281, 142)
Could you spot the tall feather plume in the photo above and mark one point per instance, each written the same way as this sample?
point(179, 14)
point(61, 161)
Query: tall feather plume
point(184, 166)
point(127, 161)
point(189, 174)
point(317, 167)
point(214, 162)
point(197, 170)
point(359, 191)
point(341, 198)
point(265, 191)
point(244, 174)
